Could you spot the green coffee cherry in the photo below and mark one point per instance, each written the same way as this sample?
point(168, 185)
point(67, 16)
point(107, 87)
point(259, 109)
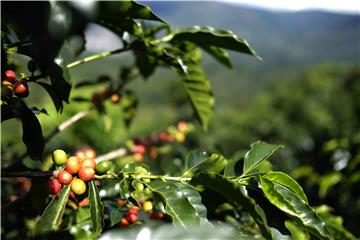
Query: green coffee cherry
point(59, 157)
point(103, 166)
point(139, 187)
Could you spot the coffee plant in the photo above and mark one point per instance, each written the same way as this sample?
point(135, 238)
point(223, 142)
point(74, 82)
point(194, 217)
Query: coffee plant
point(128, 193)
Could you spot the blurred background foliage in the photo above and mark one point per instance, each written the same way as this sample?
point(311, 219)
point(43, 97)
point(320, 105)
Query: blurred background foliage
point(304, 94)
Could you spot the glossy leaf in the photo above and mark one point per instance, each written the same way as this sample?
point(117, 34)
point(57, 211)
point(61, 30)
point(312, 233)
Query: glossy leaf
point(288, 182)
point(51, 218)
point(36, 110)
point(236, 195)
point(208, 36)
point(290, 203)
point(96, 207)
point(182, 202)
point(54, 97)
point(219, 54)
point(194, 157)
point(199, 90)
point(126, 9)
point(214, 163)
point(259, 152)
point(115, 214)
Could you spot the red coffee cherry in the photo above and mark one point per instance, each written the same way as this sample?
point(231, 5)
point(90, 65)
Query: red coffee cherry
point(157, 215)
point(54, 186)
point(124, 223)
point(86, 173)
point(139, 149)
point(10, 75)
point(132, 217)
point(90, 153)
point(21, 89)
point(64, 177)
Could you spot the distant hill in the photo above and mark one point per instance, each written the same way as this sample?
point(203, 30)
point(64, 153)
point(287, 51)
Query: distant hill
point(288, 42)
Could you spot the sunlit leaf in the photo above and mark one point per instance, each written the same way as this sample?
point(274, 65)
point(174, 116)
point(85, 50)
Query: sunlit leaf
point(182, 202)
point(96, 207)
point(290, 203)
point(214, 163)
point(51, 218)
point(259, 152)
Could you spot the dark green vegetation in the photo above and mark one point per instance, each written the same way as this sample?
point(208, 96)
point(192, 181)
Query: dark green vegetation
point(306, 118)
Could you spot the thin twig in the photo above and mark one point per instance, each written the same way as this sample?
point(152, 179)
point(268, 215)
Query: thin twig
point(96, 56)
point(27, 174)
point(69, 122)
point(112, 155)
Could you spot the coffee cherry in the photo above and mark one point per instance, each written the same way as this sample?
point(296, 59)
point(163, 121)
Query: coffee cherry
point(21, 89)
point(88, 162)
point(54, 186)
point(124, 222)
point(115, 98)
point(164, 137)
point(80, 154)
point(64, 177)
point(11, 76)
point(147, 206)
point(72, 165)
point(157, 215)
point(180, 137)
point(78, 186)
point(132, 217)
point(138, 157)
point(133, 209)
point(86, 173)
point(103, 166)
point(182, 126)
point(90, 153)
point(139, 149)
point(121, 202)
point(85, 202)
point(59, 157)
point(137, 185)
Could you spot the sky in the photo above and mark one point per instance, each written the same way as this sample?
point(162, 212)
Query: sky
point(345, 6)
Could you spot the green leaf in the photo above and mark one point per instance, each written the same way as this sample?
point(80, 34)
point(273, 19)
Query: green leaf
point(51, 218)
point(214, 163)
point(208, 36)
point(296, 232)
point(96, 207)
point(287, 201)
point(129, 102)
point(219, 54)
point(288, 182)
point(259, 152)
point(236, 195)
point(229, 170)
point(199, 90)
point(115, 214)
point(327, 181)
point(182, 201)
point(126, 9)
point(194, 157)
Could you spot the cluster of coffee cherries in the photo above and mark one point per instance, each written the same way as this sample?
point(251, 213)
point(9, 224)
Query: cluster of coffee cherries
point(75, 170)
point(11, 85)
point(139, 147)
point(103, 94)
point(144, 197)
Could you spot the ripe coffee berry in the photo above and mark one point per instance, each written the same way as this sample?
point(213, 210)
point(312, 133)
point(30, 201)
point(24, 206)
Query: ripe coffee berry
point(90, 153)
point(115, 98)
point(86, 173)
point(78, 186)
point(139, 149)
point(59, 157)
point(21, 89)
point(54, 186)
point(123, 222)
point(157, 215)
point(88, 162)
point(72, 165)
point(64, 177)
point(10, 75)
point(132, 217)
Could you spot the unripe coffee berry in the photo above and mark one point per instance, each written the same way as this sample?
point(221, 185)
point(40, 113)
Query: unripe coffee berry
point(64, 177)
point(137, 185)
point(54, 186)
point(147, 206)
point(59, 156)
point(86, 173)
point(78, 186)
point(103, 166)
